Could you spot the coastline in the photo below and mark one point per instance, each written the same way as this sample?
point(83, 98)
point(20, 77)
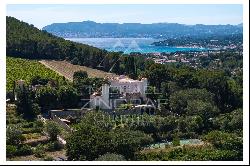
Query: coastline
point(128, 45)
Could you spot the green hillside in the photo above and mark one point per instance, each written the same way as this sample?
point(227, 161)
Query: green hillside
point(27, 41)
point(24, 69)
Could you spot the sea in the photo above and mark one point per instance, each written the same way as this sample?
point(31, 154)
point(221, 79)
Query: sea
point(128, 45)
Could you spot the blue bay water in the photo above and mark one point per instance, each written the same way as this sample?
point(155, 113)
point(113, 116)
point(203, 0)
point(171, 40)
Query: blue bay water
point(128, 45)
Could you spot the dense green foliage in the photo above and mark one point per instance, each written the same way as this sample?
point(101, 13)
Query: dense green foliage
point(31, 103)
point(29, 71)
point(16, 134)
point(26, 41)
point(230, 61)
point(46, 97)
point(13, 135)
point(67, 97)
point(111, 157)
point(93, 138)
point(79, 75)
point(226, 141)
point(64, 96)
point(40, 44)
point(25, 104)
point(53, 130)
point(196, 101)
point(181, 101)
point(23, 137)
point(169, 80)
point(87, 143)
point(84, 85)
point(190, 154)
point(11, 150)
point(229, 122)
point(127, 142)
point(123, 137)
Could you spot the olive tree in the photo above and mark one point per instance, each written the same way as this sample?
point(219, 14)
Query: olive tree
point(53, 130)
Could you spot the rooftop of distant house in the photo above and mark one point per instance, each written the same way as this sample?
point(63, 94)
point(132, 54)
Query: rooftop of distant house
point(124, 79)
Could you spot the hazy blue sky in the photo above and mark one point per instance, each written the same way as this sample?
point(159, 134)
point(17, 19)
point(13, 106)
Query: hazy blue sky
point(42, 15)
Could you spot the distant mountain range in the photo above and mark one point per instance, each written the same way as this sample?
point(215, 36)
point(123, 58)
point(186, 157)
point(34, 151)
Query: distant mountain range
point(155, 30)
point(26, 41)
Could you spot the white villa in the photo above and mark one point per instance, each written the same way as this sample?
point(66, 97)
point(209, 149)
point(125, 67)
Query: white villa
point(120, 90)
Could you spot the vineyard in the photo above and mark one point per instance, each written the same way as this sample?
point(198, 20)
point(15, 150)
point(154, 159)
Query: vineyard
point(17, 68)
point(67, 69)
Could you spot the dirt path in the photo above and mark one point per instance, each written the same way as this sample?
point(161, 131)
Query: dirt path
point(67, 69)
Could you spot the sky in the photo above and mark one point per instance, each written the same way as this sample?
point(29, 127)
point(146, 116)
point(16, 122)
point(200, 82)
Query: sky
point(209, 14)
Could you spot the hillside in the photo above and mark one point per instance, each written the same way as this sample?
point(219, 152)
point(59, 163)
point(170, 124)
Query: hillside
point(67, 69)
point(17, 68)
point(213, 40)
point(155, 30)
point(26, 41)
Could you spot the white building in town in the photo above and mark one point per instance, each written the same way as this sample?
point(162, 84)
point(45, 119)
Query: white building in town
point(123, 89)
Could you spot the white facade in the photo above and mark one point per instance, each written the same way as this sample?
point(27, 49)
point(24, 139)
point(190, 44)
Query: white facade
point(101, 100)
point(126, 87)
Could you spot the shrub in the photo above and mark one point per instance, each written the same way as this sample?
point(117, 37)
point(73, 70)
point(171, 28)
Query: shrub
point(14, 135)
point(227, 142)
point(180, 100)
point(24, 150)
point(189, 154)
point(87, 143)
point(13, 119)
point(230, 122)
point(176, 141)
point(127, 142)
point(39, 151)
point(224, 140)
point(53, 146)
point(11, 150)
point(92, 139)
point(26, 105)
point(49, 146)
point(53, 130)
point(67, 97)
point(38, 126)
point(111, 157)
point(28, 125)
point(47, 98)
